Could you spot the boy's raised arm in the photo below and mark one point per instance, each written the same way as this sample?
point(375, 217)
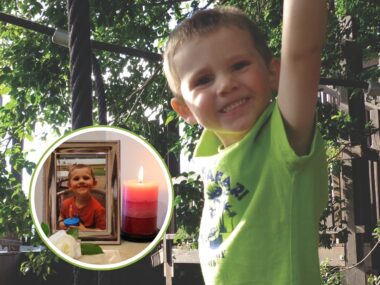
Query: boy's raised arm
point(304, 26)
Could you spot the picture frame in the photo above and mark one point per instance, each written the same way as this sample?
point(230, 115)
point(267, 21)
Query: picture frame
point(104, 160)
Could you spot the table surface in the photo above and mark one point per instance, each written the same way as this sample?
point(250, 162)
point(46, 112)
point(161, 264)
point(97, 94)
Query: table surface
point(115, 253)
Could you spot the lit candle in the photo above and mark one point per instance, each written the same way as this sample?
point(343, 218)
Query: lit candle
point(139, 219)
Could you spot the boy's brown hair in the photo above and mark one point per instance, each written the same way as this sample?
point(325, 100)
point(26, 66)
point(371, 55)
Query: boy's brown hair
point(204, 22)
point(79, 166)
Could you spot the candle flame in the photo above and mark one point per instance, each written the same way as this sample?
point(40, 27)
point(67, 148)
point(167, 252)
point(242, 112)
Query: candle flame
point(141, 175)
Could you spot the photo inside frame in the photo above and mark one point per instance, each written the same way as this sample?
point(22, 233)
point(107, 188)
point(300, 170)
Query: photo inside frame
point(97, 162)
point(103, 159)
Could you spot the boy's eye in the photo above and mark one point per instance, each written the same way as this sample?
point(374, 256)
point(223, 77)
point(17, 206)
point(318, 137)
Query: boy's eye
point(203, 80)
point(83, 177)
point(240, 65)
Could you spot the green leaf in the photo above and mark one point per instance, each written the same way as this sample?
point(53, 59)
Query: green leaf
point(29, 137)
point(4, 89)
point(169, 119)
point(46, 229)
point(73, 232)
point(90, 249)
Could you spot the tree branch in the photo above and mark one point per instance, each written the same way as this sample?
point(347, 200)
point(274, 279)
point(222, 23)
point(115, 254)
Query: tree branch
point(141, 89)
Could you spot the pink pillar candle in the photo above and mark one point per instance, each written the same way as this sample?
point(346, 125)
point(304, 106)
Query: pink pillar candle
point(139, 209)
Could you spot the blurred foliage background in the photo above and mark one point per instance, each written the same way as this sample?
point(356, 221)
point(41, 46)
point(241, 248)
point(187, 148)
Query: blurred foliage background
point(35, 92)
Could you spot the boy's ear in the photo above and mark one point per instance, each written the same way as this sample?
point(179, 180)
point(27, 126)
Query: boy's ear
point(274, 73)
point(181, 108)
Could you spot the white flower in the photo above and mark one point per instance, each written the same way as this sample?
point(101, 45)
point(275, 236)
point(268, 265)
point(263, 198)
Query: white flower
point(66, 244)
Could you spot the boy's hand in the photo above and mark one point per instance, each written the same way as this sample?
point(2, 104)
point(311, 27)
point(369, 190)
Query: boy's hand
point(302, 40)
point(81, 227)
point(61, 225)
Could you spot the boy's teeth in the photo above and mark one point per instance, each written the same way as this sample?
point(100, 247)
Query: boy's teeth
point(233, 105)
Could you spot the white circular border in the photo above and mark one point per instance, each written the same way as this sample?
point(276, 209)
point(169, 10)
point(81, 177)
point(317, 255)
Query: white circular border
point(73, 261)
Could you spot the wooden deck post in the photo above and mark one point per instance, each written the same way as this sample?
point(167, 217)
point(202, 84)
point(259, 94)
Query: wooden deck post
point(356, 172)
point(174, 168)
point(168, 259)
point(374, 183)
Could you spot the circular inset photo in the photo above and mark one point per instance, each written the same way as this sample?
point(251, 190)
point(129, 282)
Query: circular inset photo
point(101, 198)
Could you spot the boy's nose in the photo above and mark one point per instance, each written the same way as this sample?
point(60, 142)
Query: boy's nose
point(226, 84)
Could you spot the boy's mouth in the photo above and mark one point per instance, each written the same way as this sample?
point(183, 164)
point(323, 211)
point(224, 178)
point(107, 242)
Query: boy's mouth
point(235, 104)
point(81, 186)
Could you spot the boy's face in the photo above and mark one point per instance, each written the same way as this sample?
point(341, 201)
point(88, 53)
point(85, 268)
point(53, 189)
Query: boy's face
point(81, 181)
point(225, 82)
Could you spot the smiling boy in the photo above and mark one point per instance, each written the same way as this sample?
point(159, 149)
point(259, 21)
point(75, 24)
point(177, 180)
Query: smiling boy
point(81, 181)
point(264, 164)
point(204, 69)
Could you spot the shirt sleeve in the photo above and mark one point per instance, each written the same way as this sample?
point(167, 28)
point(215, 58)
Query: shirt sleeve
point(63, 209)
point(283, 148)
point(100, 218)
